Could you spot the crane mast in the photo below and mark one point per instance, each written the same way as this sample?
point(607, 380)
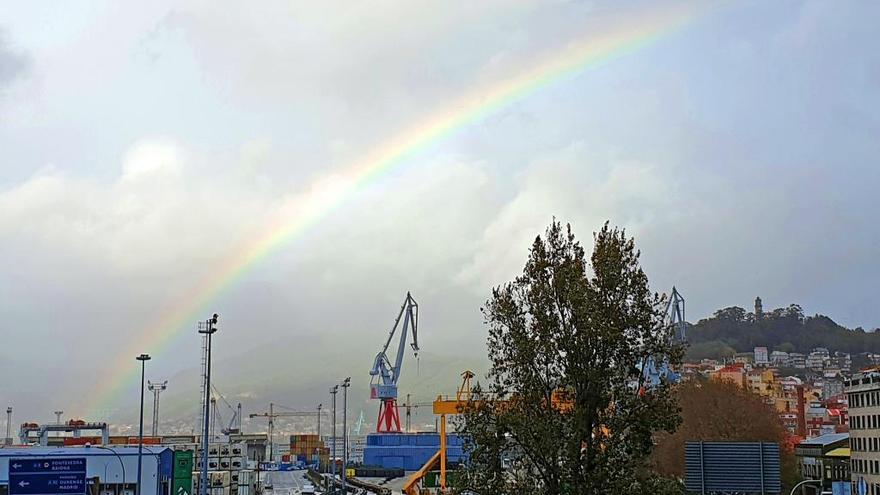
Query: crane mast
point(385, 374)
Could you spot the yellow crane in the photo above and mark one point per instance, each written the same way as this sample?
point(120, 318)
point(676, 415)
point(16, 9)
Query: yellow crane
point(442, 407)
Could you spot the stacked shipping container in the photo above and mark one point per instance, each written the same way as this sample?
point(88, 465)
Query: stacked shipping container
point(308, 449)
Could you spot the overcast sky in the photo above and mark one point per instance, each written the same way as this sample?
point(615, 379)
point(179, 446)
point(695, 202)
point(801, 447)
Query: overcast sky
point(143, 142)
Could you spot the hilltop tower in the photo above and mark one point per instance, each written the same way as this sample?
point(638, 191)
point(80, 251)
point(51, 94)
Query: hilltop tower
point(759, 309)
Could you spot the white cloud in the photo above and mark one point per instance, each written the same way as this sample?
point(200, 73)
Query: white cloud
point(151, 160)
point(575, 186)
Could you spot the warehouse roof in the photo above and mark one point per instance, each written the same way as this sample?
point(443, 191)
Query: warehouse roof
point(828, 439)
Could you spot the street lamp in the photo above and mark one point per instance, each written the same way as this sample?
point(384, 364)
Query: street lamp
point(333, 392)
point(345, 384)
point(118, 457)
point(143, 358)
point(208, 330)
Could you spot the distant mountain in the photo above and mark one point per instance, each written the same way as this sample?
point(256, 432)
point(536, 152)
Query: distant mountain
point(734, 329)
point(300, 380)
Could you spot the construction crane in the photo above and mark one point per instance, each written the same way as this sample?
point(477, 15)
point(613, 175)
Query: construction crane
point(385, 375)
point(408, 406)
point(359, 424)
point(218, 418)
point(271, 414)
point(236, 415)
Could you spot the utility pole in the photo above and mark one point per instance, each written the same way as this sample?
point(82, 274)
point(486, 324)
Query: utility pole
point(271, 432)
point(214, 416)
point(156, 388)
point(319, 421)
point(333, 391)
point(143, 358)
point(9, 425)
point(208, 330)
point(238, 415)
point(345, 384)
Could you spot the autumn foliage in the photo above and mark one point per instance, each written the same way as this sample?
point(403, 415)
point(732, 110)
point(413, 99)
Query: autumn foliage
point(719, 411)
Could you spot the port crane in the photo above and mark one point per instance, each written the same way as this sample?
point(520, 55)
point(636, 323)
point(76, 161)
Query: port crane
point(384, 375)
point(653, 372)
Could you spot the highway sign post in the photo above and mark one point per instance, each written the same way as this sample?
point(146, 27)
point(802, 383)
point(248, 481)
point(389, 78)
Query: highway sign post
point(43, 476)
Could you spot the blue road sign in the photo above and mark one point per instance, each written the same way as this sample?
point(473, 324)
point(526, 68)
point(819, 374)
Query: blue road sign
point(31, 476)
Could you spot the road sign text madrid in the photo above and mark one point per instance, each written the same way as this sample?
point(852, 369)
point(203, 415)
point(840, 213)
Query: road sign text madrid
point(38, 476)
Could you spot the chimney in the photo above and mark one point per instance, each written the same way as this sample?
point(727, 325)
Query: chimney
point(801, 413)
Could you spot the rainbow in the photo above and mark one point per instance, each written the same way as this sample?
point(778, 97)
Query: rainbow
point(302, 212)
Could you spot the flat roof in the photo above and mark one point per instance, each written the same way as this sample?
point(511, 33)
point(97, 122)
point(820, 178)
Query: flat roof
point(826, 439)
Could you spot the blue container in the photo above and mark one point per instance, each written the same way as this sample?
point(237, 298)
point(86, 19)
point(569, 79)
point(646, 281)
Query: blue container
point(409, 451)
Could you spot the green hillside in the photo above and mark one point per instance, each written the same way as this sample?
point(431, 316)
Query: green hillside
point(734, 329)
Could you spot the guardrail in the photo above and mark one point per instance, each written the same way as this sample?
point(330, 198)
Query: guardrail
point(319, 481)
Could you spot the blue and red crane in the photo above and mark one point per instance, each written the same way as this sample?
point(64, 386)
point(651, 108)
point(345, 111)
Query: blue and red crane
point(385, 374)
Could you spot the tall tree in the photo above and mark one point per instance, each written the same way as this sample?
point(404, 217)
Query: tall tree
point(566, 410)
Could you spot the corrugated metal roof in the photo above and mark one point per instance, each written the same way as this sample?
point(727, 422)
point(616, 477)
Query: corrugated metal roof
point(79, 451)
point(745, 467)
point(826, 439)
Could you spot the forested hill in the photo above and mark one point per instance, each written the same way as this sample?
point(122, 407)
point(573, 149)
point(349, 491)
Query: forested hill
point(784, 329)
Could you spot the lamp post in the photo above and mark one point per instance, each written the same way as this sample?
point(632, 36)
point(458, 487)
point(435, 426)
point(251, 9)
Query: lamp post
point(143, 358)
point(333, 392)
point(319, 420)
point(208, 330)
point(118, 457)
point(345, 384)
point(8, 439)
point(802, 483)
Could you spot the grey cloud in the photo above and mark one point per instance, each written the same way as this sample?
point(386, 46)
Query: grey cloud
point(13, 64)
point(739, 151)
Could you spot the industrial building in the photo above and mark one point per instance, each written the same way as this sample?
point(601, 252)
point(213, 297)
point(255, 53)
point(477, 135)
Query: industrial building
point(825, 459)
point(113, 469)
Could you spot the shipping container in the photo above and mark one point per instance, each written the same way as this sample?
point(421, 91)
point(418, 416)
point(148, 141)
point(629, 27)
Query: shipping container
point(178, 439)
point(72, 441)
point(147, 440)
point(409, 451)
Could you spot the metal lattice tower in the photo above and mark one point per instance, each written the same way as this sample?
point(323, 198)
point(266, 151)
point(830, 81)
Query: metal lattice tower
point(156, 388)
point(202, 392)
